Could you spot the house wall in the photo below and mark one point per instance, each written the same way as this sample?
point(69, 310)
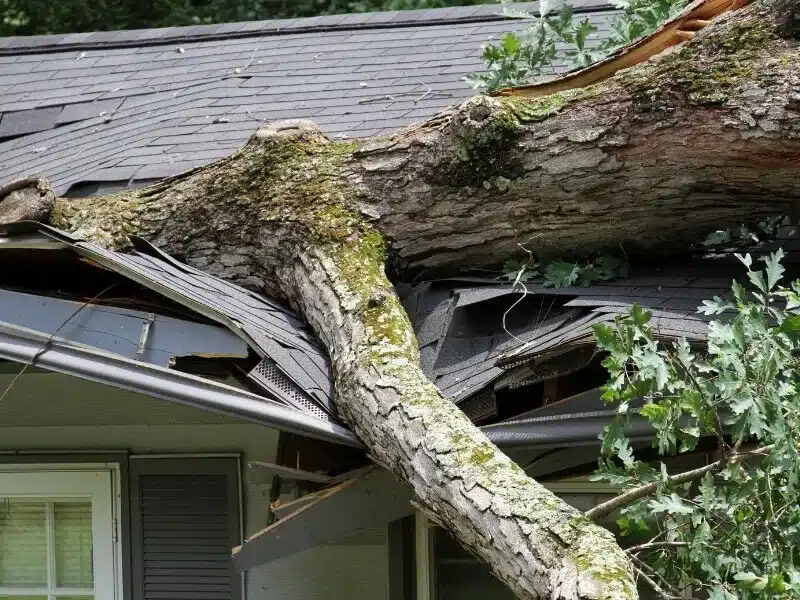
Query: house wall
point(49, 412)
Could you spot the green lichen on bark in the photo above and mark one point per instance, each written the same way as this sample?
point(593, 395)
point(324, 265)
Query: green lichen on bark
point(612, 571)
point(476, 149)
point(360, 259)
point(533, 110)
point(707, 71)
point(110, 220)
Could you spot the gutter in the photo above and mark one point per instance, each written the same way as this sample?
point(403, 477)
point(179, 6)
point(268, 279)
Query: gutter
point(30, 347)
point(33, 348)
point(570, 429)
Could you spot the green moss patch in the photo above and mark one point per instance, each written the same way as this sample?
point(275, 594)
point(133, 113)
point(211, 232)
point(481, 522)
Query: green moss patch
point(707, 71)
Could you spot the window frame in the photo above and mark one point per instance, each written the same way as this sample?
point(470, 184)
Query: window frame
point(99, 482)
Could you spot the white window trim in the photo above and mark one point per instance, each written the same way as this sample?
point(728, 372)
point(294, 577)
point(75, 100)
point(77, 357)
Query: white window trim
point(101, 480)
point(423, 546)
point(423, 534)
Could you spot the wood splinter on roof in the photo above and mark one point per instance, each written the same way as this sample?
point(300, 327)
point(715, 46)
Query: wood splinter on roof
point(683, 27)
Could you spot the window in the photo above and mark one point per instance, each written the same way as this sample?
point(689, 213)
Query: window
point(457, 575)
point(57, 536)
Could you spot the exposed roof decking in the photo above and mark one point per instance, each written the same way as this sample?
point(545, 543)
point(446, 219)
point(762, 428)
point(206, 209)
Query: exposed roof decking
point(269, 329)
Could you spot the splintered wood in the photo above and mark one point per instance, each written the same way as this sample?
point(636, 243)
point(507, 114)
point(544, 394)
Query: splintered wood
point(697, 16)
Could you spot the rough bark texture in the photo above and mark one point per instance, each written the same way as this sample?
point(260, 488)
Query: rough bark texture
point(705, 136)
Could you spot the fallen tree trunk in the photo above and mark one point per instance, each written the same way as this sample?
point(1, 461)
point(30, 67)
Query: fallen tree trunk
point(702, 137)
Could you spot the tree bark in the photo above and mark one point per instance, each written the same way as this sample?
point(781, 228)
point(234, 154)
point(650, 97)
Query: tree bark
point(703, 137)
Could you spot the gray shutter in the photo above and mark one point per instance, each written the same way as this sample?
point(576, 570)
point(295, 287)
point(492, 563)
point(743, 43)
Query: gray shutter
point(185, 521)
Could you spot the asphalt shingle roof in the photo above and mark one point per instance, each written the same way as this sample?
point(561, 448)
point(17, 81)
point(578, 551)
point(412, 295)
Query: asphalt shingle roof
point(130, 106)
point(294, 369)
point(474, 334)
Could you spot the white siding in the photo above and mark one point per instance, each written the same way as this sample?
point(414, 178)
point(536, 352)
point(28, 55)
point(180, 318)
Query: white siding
point(335, 572)
point(100, 419)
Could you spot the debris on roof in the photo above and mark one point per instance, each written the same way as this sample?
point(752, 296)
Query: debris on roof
point(486, 345)
point(285, 362)
point(102, 111)
point(479, 338)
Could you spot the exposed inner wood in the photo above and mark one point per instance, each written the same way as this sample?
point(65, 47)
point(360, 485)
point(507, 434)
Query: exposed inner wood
point(696, 16)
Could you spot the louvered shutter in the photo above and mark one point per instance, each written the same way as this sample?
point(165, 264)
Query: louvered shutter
point(185, 515)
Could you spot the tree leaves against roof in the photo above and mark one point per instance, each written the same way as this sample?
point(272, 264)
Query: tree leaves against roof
point(556, 34)
point(732, 534)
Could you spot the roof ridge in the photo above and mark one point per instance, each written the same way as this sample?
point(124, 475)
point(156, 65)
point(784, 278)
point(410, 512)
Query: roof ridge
point(226, 31)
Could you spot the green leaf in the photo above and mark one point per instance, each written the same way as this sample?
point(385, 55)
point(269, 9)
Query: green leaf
point(561, 273)
point(654, 412)
point(511, 44)
point(605, 336)
point(738, 291)
point(671, 504)
point(746, 260)
point(791, 327)
point(584, 30)
point(640, 316)
point(758, 280)
point(774, 269)
point(715, 306)
point(632, 526)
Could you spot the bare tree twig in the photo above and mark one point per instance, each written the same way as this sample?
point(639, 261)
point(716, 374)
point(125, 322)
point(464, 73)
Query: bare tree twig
point(606, 508)
point(655, 546)
point(656, 588)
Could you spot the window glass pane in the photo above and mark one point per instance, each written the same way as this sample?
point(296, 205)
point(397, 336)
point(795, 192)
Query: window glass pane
point(23, 543)
point(22, 597)
point(73, 544)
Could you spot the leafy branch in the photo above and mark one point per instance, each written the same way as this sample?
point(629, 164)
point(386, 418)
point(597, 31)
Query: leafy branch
point(560, 273)
point(521, 58)
point(728, 529)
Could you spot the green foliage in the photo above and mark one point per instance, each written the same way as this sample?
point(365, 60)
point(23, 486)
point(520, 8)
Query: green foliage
point(560, 273)
point(520, 58)
point(733, 533)
point(28, 17)
point(746, 233)
point(639, 18)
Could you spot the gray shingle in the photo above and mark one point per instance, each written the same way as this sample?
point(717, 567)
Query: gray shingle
point(23, 122)
point(298, 68)
point(86, 110)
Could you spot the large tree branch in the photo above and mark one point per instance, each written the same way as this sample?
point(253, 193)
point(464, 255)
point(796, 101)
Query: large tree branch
point(703, 137)
point(309, 220)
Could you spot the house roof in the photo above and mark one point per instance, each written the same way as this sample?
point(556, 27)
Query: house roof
point(291, 370)
point(99, 111)
point(467, 348)
point(480, 336)
point(110, 338)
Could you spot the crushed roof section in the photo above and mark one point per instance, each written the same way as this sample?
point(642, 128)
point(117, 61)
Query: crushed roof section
point(466, 347)
point(126, 107)
point(270, 329)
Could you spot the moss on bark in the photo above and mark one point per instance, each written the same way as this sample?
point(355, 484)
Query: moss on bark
point(707, 71)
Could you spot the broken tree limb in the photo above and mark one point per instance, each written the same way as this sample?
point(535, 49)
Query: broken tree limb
point(29, 198)
point(701, 137)
point(369, 500)
point(697, 15)
point(648, 489)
